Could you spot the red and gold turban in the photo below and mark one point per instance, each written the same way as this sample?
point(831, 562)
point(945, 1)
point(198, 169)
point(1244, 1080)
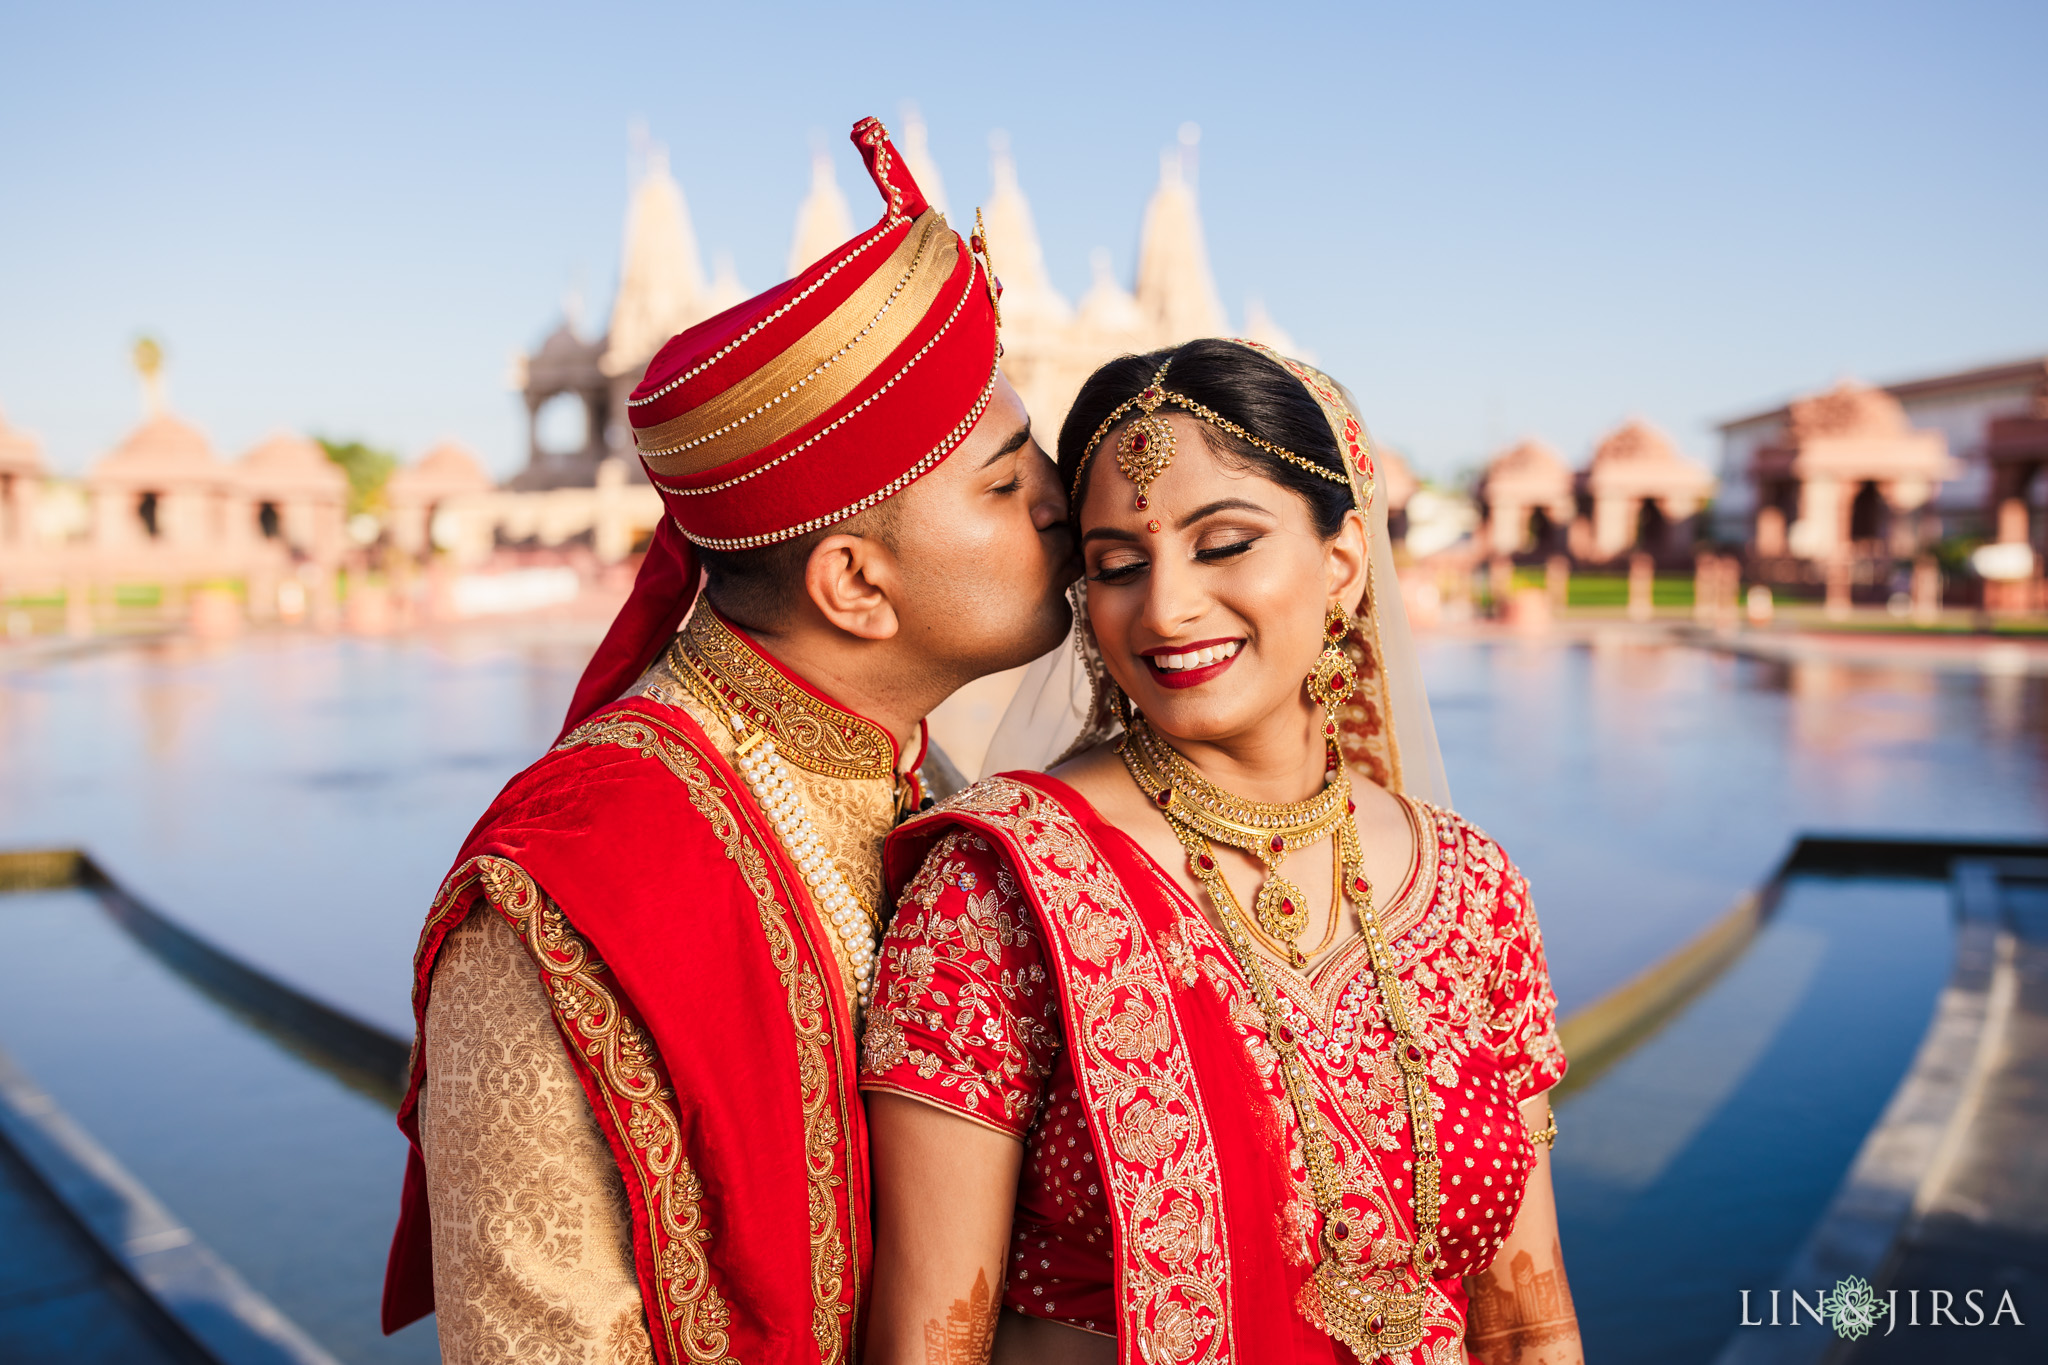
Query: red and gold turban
point(805, 405)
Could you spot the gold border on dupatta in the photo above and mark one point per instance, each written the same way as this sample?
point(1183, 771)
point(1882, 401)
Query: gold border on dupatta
point(835, 1274)
point(1144, 1103)
point(614, 1048)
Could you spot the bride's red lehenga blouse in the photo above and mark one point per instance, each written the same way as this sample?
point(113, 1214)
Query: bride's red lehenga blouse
point(1045, 977)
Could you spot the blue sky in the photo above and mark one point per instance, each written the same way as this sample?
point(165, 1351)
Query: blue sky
point(1488, 220)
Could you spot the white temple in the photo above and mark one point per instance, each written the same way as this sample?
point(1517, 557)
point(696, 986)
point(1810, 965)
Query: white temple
point(1050, 345)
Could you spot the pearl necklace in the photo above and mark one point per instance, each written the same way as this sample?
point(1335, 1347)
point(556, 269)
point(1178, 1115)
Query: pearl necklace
point(849, 917)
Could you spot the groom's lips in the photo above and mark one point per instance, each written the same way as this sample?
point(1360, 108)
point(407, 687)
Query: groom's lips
point(1189, 677)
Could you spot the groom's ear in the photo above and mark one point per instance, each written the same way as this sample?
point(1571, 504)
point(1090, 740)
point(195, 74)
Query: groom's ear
point(853, 579)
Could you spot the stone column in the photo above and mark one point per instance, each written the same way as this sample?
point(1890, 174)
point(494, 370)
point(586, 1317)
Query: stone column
point(1926, 590)
point(2014, 522)
point(1642, 582)
point(1838, 603)
point(1770, 532)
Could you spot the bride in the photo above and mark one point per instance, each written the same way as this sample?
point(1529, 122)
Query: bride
point(1224, 1040)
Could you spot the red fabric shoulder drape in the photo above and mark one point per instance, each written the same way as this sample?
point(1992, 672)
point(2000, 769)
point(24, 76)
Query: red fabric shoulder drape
point(661, 865)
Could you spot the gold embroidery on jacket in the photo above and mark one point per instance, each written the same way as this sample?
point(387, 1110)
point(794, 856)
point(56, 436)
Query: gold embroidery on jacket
point(809, 731)
point(695, 1317)
point(834, 1278)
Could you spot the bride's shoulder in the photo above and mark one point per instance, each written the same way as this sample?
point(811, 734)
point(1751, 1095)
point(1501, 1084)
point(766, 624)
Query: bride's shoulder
point(1099, 776)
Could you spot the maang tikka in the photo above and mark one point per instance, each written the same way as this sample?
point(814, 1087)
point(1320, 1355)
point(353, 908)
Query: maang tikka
point(1147, 448)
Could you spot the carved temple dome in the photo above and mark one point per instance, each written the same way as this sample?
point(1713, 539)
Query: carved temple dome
point(287, 465)
point(164, 449)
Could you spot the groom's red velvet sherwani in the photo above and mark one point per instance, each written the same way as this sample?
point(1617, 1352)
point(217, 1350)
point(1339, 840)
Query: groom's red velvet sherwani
point(633, 1107)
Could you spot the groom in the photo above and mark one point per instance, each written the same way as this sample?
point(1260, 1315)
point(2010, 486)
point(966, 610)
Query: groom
point(636, 1134)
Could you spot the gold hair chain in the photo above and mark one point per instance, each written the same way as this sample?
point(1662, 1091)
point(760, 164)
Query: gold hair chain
point(1146, 450)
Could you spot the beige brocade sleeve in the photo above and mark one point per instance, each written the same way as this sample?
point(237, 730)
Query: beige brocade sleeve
point(533, 1240)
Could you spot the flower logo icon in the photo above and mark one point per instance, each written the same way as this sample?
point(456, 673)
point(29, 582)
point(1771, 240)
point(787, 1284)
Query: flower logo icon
point(1852, 1308)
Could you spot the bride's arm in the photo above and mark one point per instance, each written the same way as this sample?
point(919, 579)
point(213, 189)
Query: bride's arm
point(945, 1187)
point(1507, 1327)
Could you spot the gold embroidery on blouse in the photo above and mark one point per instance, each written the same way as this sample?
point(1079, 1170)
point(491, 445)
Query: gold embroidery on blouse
point(727, 674)
point(695, 1317)
point(834, 1276)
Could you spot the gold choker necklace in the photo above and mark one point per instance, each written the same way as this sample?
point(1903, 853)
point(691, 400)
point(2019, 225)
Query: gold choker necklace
point(1268, 831)
point(1375, 1310)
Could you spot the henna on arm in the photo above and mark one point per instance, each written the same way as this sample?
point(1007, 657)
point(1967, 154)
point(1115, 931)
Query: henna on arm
point(1521, 1306)
point(945, 1188)
point(967, 1333)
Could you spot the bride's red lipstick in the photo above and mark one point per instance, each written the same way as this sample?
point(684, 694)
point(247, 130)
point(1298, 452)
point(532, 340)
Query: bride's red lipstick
point(1189, 677)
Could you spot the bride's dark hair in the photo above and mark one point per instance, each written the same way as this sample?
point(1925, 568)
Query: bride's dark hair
point(1237, 382)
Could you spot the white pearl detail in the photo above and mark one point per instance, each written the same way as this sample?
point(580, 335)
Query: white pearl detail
point(776, 794)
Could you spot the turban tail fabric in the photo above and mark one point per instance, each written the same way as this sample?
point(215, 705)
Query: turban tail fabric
point(804, 405)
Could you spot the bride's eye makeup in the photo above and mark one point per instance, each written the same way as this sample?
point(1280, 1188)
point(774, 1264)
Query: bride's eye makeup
point(1118, 571)
point(1230, 548)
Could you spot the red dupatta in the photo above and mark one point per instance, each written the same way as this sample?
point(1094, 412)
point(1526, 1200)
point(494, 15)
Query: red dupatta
point(700, 1003)
point(1192, 1156)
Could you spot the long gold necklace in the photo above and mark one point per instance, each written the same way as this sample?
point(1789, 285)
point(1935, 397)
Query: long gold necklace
point(1375, 1310)
point(1267, 831)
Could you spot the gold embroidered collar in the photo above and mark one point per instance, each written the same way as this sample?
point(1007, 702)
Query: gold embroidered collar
point(730, 674)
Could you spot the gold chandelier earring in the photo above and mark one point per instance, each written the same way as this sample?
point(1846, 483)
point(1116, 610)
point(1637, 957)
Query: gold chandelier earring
point(1335, 677)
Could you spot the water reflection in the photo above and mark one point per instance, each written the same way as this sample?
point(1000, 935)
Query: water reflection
point(299, 798)
point(1642, 787)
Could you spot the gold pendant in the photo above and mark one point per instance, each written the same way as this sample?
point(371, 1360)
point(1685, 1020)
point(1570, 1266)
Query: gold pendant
point(1369, 1311)
point(1281, 908)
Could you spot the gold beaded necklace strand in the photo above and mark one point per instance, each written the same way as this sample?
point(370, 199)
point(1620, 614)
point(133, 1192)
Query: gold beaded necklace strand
point(1375, 1310)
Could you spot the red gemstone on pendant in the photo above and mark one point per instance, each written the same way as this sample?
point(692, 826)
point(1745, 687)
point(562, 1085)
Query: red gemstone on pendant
point(1284, 1034)
point(1337, 629)
point(1165, 797)
point(1286, 907)
point(1350, 806)
point(1342, 682)
point(1148, 395)
point(1376, 1324)
point(1279, 844)
point(1142, 504)
point(1358, 885)
point(1414, 1052)
point(1139, 440)
point(1206, 863)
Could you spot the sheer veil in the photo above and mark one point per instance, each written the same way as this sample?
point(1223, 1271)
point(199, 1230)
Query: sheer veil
point(1062, 702)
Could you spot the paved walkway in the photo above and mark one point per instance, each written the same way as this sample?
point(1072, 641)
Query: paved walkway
point(1983, 1224)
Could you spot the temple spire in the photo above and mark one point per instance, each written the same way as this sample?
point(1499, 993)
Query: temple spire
point(823, 221)
point(1013, 244)
point(1176, 291)
point(661, 277)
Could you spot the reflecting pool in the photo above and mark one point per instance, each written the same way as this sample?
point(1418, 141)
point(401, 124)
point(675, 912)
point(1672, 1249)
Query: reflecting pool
point(297, 800)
